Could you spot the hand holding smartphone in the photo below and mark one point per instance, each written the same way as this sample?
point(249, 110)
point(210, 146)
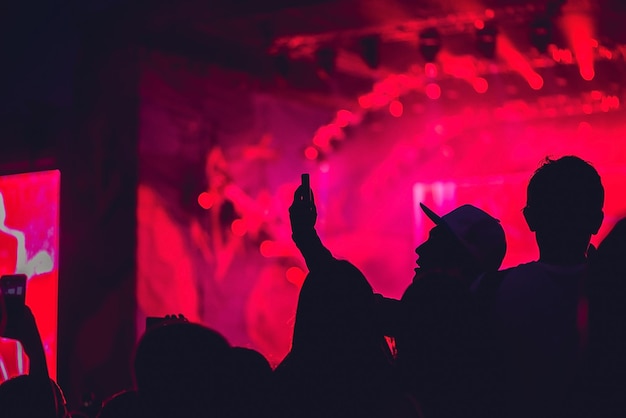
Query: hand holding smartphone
point(13, 289)
point(306, 187)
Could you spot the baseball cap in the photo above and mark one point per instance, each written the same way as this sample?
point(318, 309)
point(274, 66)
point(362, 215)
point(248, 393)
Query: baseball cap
point(480, 233)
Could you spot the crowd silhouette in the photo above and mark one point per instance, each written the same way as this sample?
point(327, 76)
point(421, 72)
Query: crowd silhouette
point(543, 339)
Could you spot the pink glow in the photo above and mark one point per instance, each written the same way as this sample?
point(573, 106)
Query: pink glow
point(396, 108)
point(587, 72)
point(366, 101)
point(433, 91)
point(480, 85)
point(206, 200)
point(311, 153)
point(535, 81)
point(238, 227)
point(430, 70)
point(295, 275)
point(518, 62)
point(29, 244)
point(344, 117)
point(579, 30)
point(267, 249)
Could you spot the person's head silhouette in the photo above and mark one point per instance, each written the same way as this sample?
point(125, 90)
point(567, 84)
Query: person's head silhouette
point(467, 240)
point(564, 208)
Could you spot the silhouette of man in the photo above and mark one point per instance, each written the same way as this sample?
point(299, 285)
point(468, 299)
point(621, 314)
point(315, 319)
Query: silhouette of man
point(434, 323)
point(538, 310)
point(465, 243)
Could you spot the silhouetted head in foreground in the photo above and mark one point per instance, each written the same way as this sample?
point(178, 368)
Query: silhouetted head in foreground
point(564, 208)
point(29, 397)
point(180, 368)
point(335, 315)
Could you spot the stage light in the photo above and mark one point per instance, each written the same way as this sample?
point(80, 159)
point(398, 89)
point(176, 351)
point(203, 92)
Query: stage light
point(311, 153)
point(541, 34)
point(238, 227)
point(366, 101)
point(206, 200)
point(295, 275)
point(370, 51)
point(486, 40)
point(326, 59)
point(587, 72)
point(268, 248)
point(579, 29)
point(433, 91)
point(429, 44)
point(430, 70)
point(480, 85)
point(344, 118)
point(535, 81)
point(396, 108)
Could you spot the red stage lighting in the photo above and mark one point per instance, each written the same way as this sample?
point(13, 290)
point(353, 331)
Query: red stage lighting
point(343, 118)
point(366, 101)
point(433, 91)
point(430, 70)
point(535, 81)
point(396, 108)
point(587, 72)
point(311, 153)
point(480, 85)
point(267, 248)
point(295, 275)
point(206, 200)
point(238, 227)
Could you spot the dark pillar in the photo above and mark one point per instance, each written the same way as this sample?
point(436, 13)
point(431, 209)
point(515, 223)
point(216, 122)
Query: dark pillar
point(98, 222)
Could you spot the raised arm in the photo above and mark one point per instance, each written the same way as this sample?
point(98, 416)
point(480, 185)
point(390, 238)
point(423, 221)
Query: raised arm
point(303, 215)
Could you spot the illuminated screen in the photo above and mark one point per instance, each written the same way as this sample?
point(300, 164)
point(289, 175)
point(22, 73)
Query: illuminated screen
point(29, 244)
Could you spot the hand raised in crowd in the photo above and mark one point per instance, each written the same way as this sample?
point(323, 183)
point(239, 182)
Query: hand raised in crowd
point(21, 326)
point(302, 212)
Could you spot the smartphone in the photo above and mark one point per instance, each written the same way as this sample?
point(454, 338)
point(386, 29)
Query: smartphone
point(306, 186)
point(13, 288)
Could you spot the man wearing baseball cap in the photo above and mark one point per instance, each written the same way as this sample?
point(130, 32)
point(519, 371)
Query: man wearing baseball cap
point(467, 239)
point(436, 314)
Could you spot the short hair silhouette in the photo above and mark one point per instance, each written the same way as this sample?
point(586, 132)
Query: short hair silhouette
point(180, 365)
point(565, 193)
point(28, 396)
point(335, 311)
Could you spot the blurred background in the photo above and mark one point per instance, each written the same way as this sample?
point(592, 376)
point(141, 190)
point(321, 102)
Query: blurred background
point(180, 130)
